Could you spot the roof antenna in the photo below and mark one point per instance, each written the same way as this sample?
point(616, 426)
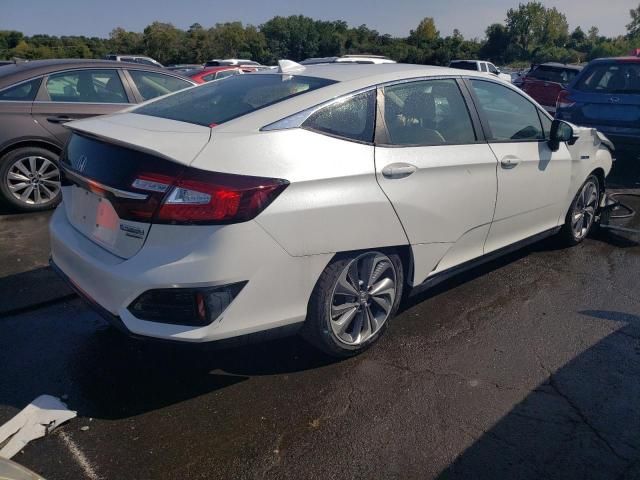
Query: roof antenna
point(289, 66)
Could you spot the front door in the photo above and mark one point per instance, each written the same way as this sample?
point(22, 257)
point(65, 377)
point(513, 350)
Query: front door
point(77, 94)
point(533, 181)
point(437, 172)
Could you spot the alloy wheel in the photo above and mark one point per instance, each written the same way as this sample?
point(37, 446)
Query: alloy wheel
point(584, 211)
point(363, 298)
point(33, 180)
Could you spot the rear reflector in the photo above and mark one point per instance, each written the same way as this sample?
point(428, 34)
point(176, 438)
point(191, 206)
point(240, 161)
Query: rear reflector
point(195, 307)
point(203, 197)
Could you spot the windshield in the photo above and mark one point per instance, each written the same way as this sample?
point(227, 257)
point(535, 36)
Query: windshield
point(611, 78)
point(220, 101)
point(554, 74)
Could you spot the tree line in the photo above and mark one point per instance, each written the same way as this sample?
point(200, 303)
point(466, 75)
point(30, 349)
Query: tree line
point(530, 33)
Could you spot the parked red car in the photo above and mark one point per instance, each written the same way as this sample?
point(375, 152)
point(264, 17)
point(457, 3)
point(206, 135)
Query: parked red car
point(544, 82)
point(216, 73)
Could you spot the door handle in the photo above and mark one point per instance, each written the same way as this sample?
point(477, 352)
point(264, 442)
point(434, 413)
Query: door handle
point(59, 119)
point(509, 162)
point(398, 170)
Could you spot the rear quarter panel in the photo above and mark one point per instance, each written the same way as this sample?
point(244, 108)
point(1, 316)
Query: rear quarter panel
point(333, 202)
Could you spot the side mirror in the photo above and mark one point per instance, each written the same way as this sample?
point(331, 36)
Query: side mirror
point(560, 132)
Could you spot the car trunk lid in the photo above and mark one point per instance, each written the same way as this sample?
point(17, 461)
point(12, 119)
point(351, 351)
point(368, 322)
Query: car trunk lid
point(615, 109)
point(106, 197)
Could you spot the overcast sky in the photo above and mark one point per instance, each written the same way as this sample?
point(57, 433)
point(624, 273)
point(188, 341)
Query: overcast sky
point(397, 17)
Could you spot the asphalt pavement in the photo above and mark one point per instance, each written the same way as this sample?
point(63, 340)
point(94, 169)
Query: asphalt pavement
point(524, 368)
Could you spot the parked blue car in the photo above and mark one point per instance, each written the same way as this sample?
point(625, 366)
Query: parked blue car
point(606, 96)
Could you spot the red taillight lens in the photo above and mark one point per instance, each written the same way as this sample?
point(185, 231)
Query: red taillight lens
point(564, 100)
point(202, 197)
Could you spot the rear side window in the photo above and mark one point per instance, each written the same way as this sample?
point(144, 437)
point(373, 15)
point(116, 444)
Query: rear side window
point(351, 118)
point(153, 84)
point(25, 92)
point(483, 67)
point(611, 78)
point(511, 116)
point(429, 112)
point(86, 86)
point(219, 102)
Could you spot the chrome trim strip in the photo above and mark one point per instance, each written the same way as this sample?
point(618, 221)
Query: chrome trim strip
point(115, 191)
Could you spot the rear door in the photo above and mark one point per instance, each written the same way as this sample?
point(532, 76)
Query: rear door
point(437, 171)
point(533, 181)
point(77, 94)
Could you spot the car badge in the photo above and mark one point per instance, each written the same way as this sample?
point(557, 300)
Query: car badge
point(614, 99)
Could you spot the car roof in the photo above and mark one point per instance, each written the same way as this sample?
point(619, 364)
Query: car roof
point(370, 74)
point(19, 72)
point(560, 65)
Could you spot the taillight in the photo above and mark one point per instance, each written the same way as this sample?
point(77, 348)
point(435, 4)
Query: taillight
point(203, 197)
point(564, 100)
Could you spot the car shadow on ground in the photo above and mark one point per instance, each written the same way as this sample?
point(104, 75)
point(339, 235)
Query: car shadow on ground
point(582, 422)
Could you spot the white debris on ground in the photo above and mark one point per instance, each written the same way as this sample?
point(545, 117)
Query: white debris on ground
point(36, 420)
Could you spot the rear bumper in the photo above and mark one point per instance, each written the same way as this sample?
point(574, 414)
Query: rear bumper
point(276, 295)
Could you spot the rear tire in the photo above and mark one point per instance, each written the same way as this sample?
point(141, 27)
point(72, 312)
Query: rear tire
point(580, 219)
point(30, 179)
point(354, 299)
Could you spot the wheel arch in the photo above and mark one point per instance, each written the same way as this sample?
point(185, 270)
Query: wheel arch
point(38, 143)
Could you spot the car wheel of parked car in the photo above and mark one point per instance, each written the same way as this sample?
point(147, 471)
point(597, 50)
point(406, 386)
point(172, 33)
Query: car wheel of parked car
point(30, 179)
point(352, 302)
point(582, 213)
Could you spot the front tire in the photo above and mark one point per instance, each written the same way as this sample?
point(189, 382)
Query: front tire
point(582, 213)
point(30, 179)
point(354, 299)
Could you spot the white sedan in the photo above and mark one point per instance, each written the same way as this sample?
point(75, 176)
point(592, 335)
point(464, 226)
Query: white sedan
point(312, 198)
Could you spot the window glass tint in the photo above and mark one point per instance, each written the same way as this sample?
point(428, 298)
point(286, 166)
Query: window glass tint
point(510, 115)
point(218, 102)
point(431, 112)
point(553, 74)
point(351, 118)
point(464, 65)
point(91, 86)
point(25, 92)
point(154, 84)
point(611, 78)
point(483, 67)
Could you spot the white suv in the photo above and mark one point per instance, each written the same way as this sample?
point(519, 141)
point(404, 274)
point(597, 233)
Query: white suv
point(312, 197)
point(480, 66)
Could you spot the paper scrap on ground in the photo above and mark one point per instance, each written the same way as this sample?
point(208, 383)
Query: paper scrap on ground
point(36, 420)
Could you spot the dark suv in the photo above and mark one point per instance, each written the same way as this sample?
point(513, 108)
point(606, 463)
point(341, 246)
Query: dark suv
point(38, 97)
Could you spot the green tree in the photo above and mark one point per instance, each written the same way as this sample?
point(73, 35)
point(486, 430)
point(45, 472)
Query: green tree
point(425, 33)
point(162, 41)
point(633, 28)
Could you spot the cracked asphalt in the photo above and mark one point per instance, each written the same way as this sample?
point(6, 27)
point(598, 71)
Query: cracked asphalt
point(524, 368)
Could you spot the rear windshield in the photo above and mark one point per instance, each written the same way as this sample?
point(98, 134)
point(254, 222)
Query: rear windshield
point(554, 74)
point(611, 78)
point(220, 101)
point(464, 65)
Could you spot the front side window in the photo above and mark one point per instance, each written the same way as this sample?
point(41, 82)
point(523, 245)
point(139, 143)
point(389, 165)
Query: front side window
point(89, 86)
point(493, 69)
point(25, 92)
point(430, 112)
point(611, 78)
point(154, 84)
point(219, 102)
point(351, 118)
point(510, 116)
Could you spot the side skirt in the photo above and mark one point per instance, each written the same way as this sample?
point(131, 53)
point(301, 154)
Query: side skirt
point(440, 277)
